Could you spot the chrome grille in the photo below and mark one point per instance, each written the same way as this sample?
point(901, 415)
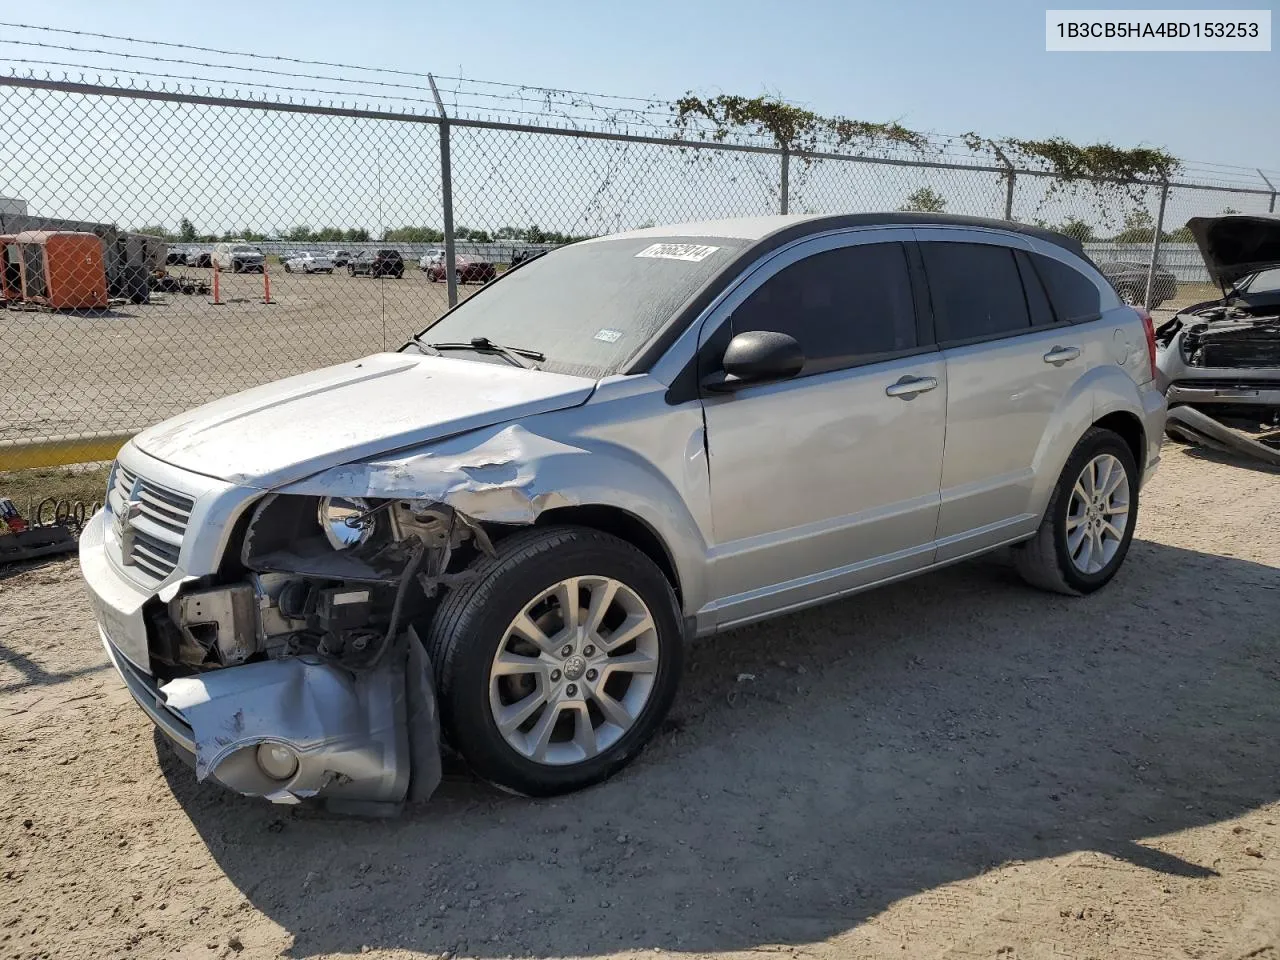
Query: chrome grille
point(151, 520)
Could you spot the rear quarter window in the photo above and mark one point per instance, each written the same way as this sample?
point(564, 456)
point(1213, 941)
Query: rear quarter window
point(1075, 297)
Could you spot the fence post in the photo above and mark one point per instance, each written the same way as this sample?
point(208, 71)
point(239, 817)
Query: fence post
point(1272, 187)
point(446, 198)
point(785, 192)
point(1155, 244)
point(1008, 182)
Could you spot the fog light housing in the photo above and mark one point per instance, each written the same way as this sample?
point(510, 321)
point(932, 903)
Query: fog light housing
point(277, 761)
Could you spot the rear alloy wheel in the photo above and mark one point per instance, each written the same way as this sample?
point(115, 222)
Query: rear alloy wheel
point(1129, 295)
point(1088, 526)
point(1098, 514)
point(556, 663)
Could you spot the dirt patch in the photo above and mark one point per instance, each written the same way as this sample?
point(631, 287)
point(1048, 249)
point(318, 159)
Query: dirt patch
point(953, 766)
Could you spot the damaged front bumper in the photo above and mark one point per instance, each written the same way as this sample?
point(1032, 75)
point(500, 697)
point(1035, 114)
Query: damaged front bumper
point(284, 729)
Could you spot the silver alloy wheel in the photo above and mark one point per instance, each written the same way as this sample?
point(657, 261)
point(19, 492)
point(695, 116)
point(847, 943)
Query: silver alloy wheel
point(1098, 513)
point(574, 670)
point(1130, 296)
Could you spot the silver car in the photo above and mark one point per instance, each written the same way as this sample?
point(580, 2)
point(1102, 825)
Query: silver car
point(505, 533)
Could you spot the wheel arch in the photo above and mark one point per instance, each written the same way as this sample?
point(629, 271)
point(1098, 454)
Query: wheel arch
point(1129, 427)
point(622, 524)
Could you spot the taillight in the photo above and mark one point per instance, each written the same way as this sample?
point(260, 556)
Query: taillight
point(1149, 326)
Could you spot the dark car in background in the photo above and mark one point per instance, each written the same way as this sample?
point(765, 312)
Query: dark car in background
point(341, 258)
point(376, 263)
point(199, 257)
point(1130, 281)
point(468, 269)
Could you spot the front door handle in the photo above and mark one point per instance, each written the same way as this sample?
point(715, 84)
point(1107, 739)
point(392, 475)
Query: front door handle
point(1060, 355)
point(908, 387)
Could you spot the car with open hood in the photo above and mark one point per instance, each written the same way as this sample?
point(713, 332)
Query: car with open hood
point(1222, 356)
point(505, 533)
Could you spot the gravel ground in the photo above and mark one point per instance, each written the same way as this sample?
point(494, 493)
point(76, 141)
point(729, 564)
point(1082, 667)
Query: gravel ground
point(955, 766)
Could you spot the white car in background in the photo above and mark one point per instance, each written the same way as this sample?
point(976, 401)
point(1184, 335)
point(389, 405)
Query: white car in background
point(427, 259)
point(308, 262)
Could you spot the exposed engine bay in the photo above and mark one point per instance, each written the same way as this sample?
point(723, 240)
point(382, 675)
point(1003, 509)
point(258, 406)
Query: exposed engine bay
point(1224, 336)
point(332, 690)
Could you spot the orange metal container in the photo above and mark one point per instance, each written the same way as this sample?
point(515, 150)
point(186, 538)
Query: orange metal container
point(62, 270)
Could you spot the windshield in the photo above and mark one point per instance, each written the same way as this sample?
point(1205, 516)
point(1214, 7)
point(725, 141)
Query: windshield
point(1268, 281)
point(589, 306)
point(243, 249)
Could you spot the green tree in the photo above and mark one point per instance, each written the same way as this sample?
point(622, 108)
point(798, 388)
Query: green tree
point(1139, 227)
point(186, 230)
point(925, 200)
point(1075, 227)
point(154, 230)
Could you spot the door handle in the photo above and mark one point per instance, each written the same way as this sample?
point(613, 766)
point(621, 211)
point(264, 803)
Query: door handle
point(908, 387)
point(1060, 355)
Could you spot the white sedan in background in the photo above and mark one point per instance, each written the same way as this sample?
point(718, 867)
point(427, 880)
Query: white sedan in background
point(307, 262)
point(427, 259)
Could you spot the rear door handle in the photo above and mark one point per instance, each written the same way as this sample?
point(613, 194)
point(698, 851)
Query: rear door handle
point(908, 387)
point(1060, 355)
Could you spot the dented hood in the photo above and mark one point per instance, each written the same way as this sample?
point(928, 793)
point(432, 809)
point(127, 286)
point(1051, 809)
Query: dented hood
point(1238, 245)
point(284, 431)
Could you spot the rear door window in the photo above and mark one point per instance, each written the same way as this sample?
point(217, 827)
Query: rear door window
point(844, 307)
point(975, 290)
point(1075, 297)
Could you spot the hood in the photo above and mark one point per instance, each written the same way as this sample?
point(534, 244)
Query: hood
point(1238, 245)
point(284, 431)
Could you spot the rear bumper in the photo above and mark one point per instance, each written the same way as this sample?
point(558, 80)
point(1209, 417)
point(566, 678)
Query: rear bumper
point(1155, 410)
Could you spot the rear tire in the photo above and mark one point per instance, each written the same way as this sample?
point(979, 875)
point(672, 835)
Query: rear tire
point(575, 679)
point(1075, 551)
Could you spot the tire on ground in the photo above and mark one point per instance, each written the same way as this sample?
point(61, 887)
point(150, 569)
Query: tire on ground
point(472, 620)
point(1044, 561)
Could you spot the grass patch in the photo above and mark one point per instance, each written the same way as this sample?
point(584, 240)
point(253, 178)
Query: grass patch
point(85, 482)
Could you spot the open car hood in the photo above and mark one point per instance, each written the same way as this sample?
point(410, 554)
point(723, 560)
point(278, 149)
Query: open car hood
point(1237, 245)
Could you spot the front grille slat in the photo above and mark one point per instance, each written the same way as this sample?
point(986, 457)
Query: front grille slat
point(157, 526)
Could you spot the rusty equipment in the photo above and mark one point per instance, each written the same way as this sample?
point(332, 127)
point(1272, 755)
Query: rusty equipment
point(58, 270)
point(55, 530)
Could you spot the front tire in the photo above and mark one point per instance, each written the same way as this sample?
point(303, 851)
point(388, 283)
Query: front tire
point(557, 662)
point(1088, 525)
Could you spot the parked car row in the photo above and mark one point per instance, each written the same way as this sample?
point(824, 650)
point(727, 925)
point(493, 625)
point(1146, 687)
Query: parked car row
point(239, 257)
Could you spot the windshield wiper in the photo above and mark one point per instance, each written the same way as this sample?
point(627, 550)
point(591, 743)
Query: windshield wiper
point(516, 356)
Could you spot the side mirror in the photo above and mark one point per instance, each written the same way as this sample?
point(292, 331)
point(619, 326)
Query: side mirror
point(757, 356)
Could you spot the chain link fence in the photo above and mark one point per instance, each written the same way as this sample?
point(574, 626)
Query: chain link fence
point(233, 241)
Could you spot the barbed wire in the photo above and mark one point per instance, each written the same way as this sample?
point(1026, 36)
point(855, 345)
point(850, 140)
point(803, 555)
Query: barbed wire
point(479, 99)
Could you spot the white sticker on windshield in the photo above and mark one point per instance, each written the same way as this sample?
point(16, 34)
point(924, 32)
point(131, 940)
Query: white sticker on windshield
point(609, 336)
point(694, 252)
